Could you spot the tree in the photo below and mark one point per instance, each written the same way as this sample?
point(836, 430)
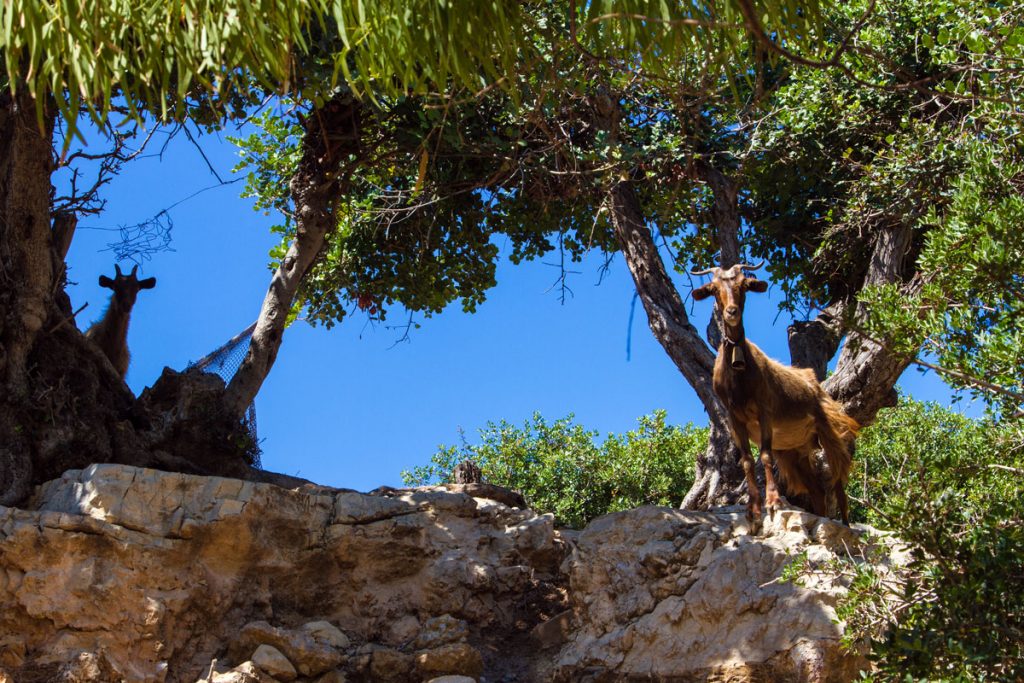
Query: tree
point(205, 62)
point(594, 153)
point(950, 488)
point(890, 146)
point(64, 60)
point(496, 164)
point(385, 58)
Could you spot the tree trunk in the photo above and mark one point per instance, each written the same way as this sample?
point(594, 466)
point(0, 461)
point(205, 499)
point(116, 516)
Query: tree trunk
point(332, 134)
point(64, 225)
point(62, 405)
point(719, 477)
point(813, 343)
point(725, 216)
point(26, 274)
point(26, 268)
point(725, 211)
point(866, 373)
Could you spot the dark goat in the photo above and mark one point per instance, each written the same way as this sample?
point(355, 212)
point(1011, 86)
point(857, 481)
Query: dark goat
point(783, 408)
point(110, 332)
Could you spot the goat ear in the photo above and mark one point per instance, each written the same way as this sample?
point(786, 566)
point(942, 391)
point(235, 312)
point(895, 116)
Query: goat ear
point(148, 283)
point(106, 282)
point(755, 285)
point(703, 292)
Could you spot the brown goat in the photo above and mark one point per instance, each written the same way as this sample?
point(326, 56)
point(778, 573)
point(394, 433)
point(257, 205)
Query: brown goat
point(784, 408)
point(110, 332)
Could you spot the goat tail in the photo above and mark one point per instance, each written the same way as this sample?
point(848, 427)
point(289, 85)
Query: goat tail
point(836, 432)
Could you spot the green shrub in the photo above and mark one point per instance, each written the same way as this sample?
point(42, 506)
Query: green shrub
point(952, 488)
point(559, 467)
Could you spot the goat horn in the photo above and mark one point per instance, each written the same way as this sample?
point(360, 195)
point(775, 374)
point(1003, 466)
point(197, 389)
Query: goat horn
point(117, 269)
point(135, 270)
point(744, 266)
point(703, 272)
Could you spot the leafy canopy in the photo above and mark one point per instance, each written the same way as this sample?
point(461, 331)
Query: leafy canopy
point(156, 54)
point(919, 131)
point(969, 310)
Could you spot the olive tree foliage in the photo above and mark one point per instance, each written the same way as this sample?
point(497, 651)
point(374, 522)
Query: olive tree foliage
point(205, 60)
point(352, 137)
point(968, 312)
point(826, 166)
point(916, 140)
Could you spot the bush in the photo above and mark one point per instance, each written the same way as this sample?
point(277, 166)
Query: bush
point(560, 468)
point(952, 488)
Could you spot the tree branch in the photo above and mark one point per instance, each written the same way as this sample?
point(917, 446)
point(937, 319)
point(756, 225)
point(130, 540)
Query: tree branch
point(332, 135)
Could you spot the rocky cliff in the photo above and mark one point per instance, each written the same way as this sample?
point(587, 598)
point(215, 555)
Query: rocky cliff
point(117, 573)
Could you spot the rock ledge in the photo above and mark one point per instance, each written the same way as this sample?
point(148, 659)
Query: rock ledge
point(119, 573)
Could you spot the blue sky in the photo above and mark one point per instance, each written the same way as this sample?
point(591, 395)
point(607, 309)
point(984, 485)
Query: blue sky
point(352, 407)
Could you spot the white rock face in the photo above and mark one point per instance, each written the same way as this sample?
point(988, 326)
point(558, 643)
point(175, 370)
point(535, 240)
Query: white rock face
point(120, 573)
point(162, 573)
point(679, 595)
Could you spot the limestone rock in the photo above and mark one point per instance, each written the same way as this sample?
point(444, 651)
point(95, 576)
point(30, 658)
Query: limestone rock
point(127, 574)
point(554, 632)
point(309, 656)
point(87, 667)
point(162, 572)
point(327, 633)
point(246, 672)
point(333, 677)
point(670, 594)
point(456, 658)
point(441, 630)
point(12, 655)
point(388, 665)
point(268, 658)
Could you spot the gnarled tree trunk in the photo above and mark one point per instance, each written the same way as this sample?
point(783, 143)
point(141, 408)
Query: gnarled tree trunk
point(719, 477)
point(26, 268)
point(26, 273)
point(813, 343)
point(332, 134)
point(62, 405)
point(866, 372)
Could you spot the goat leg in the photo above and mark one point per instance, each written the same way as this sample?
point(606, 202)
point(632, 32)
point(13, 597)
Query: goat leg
point(773, 501)
point(772, 498)
point(754, 502)
point(842, 502)
point(837, 453)
point(742, 439)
